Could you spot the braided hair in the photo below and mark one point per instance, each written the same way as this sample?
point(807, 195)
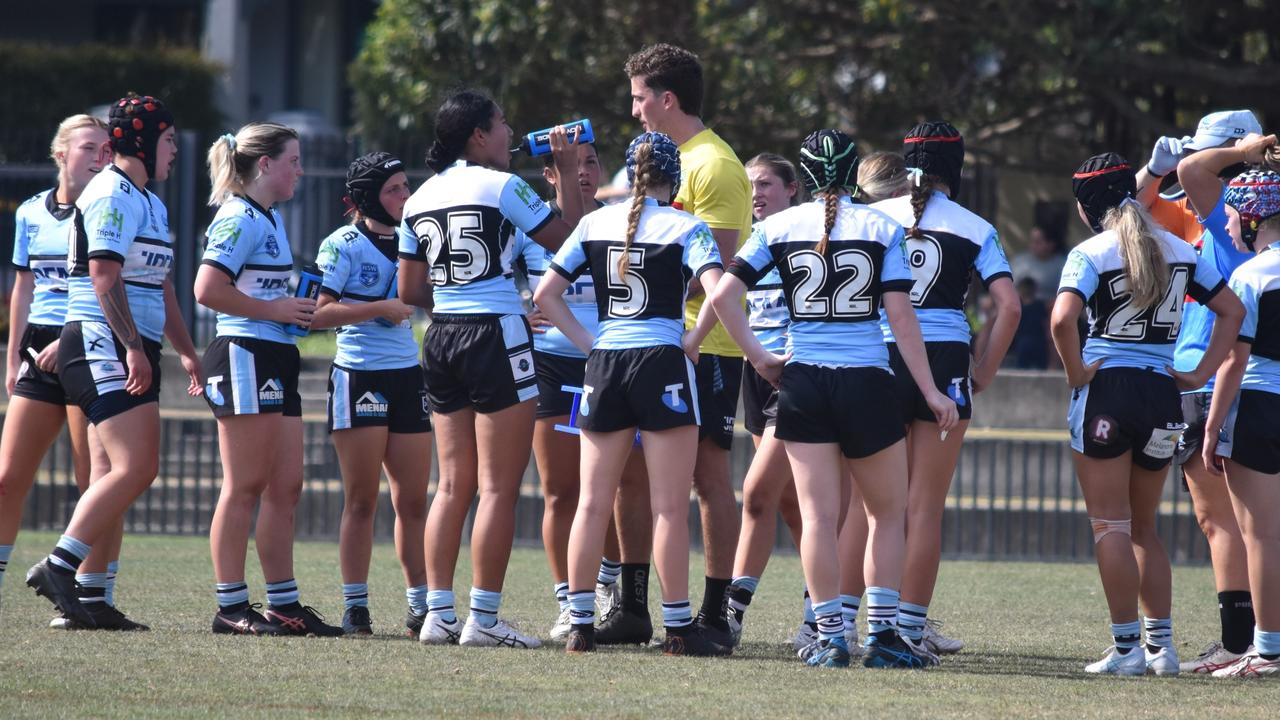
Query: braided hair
point(652, 159)
point(829, 159)
point(936, 151)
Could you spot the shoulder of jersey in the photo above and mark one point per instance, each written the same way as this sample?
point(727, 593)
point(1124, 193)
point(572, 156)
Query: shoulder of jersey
point(897, 208)
point(37, 198)
point(107, 184)
point(1261, 270)
point(1179, 250)
point(1102, 244)
point(344, 236)
point(963, 221)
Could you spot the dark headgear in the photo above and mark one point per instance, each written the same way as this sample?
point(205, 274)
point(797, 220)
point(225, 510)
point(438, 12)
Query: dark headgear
point(136, 124)
point(665, 154)
point(829, 159)
point(937, 148)
point(1102, 183)
point(1256, 196)
point(365, 177)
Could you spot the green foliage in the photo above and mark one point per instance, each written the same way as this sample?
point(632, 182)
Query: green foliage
point(46, 83)
point(1036, 83)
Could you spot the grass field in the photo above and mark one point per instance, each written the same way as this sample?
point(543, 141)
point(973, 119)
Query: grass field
point(1030, 629)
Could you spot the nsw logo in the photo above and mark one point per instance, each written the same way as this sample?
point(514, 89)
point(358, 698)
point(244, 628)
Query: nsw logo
point(671, 398)
point(368, 274)
point(272, 247)
point(371, 404)
point(271, 392)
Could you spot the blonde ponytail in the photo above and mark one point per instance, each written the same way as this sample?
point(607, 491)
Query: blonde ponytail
point(1141, 251)
point(233, 157)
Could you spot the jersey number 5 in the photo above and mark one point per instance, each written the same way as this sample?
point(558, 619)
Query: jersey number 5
point(812, 300)
point(628, 295)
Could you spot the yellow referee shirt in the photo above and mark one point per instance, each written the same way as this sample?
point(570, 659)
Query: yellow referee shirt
point(715, 189)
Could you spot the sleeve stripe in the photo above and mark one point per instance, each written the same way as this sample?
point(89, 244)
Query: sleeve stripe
point(708, 266)
point(1244, 338)
point(897, 286)
point(1204, 296)
point(331, 293)
point(106, 255)
point(1075, 291)
point(220, 266)
point(545, 221)
point(996, 276)
point(561, 271)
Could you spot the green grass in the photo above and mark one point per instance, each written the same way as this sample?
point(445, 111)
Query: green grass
point(1030, 629)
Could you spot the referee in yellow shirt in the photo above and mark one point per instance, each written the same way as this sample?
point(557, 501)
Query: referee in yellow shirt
point(666, 96)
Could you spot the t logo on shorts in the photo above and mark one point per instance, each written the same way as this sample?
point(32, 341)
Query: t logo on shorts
point(212, 392)
point(584, 408)
point(671, 398)
point(1102, 429)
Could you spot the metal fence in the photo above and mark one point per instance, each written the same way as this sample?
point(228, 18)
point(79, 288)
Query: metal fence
point(1011, 498)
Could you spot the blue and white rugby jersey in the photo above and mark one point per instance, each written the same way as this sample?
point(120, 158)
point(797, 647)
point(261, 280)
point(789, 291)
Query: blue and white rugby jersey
point(1119, 333)
point(1257, 283)
point(956, 243)
point(1216, 249)
point(117, 220)
point(40, 240)
point(461, 222)
point(646, 307)
point(248, 243)
point(767, 312)
point(360, 267)
point(580, 296)
point(833, 299)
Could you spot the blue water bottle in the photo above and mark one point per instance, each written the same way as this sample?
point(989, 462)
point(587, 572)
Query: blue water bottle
point(309, 287)
point(539, 143)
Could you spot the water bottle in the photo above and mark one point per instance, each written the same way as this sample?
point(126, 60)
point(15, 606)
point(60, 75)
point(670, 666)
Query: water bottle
point(539, 143)
point(308, 287)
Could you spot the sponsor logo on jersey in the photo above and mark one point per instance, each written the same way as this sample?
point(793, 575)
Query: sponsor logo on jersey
point(527, 195)
point(110, 223)
point(33, 230)
point(271, 392)
point(224, 239)
point(273, 247)
point(368, 274)
point(671, 398)
point(328, 257)
point(371, 404)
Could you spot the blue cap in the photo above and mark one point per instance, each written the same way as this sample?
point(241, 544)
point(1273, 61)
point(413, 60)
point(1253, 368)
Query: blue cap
point(666, 156)
point(1219, 127)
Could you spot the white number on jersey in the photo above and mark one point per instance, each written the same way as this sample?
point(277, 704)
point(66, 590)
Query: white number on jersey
point(1128, 322)
point(924, 257)
point(849, 299)
point(466, 239)
point(632, 288)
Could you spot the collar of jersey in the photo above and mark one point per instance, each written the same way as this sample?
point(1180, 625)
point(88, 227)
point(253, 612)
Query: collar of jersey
point(253, 204)
point(651, 201)
point(57, 210)
point(463, 162)
point(124, 175)
point(843, 200)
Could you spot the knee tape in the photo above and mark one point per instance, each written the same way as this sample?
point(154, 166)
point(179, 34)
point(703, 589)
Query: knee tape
point(1103, 528)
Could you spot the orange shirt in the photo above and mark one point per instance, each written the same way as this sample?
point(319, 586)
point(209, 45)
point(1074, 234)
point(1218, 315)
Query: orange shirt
point(1177, 217)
